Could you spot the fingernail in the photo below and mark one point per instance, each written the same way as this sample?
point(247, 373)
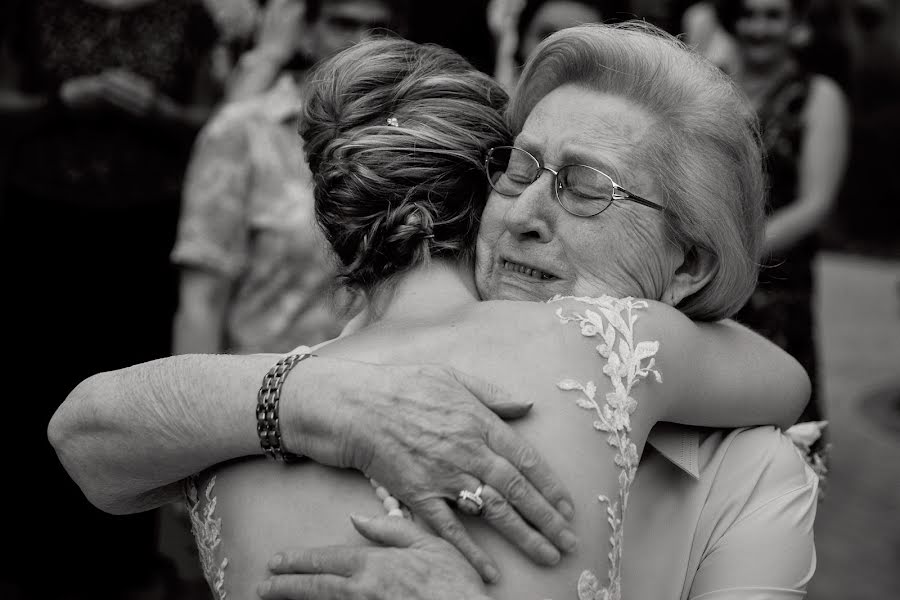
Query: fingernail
point(567, 540)
point(493, 575)
point(549, 555)
point(565, 509)
point(263, 588)
point(360, 518)
point(276, 561)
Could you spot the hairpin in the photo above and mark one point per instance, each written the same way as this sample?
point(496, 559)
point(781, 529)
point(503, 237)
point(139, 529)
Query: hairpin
point(393, 122)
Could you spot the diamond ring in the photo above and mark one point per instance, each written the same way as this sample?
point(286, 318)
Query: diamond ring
point(471, 503)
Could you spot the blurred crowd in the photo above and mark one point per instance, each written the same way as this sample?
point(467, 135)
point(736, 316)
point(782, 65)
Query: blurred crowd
point(154, 198)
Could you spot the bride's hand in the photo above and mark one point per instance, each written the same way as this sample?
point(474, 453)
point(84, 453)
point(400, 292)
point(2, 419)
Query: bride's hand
point(414, 565)
point(425, 433)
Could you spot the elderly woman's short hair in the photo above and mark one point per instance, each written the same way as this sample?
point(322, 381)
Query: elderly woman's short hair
point(703, 152)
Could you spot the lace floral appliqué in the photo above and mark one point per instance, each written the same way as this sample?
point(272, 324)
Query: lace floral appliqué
point(207, 531)
point(625, 366)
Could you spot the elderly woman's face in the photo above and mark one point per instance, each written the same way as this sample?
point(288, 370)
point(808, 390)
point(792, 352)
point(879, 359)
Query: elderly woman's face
point(530, 248)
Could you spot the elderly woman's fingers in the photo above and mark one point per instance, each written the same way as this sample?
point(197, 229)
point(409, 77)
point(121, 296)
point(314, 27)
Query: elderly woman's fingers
point(527, 461)
point(388, 531)
point(501, 516)
point(494, 397)
point(520, 496)
point(332, 560)
point(445, 523)
point(305, 587)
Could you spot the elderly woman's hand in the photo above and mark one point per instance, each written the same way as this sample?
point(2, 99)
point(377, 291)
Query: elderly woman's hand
point(413, 566)
point(425, 433)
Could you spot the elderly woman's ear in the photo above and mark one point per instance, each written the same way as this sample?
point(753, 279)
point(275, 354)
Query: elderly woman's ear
point(697, 268)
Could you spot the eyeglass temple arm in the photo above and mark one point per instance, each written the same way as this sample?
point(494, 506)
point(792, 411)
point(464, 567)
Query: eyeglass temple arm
point(634, 197)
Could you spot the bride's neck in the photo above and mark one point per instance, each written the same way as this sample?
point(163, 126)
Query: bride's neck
point(422, 292)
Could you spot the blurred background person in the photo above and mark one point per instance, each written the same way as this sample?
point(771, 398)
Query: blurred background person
point(518, 26)
point(295, 34)
point(821, 42)
point(101, 102)
point(705, 34)
point(665, 14)
point(804, 118)
point(255, 275)
point(237, 22)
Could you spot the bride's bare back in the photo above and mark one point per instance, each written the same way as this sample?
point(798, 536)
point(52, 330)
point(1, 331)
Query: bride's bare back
point(553, 355)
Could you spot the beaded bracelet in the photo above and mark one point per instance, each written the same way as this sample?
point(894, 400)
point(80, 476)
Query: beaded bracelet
point(267, 425)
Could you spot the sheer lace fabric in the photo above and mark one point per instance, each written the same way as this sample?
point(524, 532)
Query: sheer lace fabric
point(627, 363)
point(207, 529)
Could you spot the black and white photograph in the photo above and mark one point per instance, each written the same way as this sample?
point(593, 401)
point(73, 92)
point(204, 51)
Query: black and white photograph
point(451, 299)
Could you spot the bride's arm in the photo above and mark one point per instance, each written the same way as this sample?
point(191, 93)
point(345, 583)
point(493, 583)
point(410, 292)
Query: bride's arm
point(713, 374)
point(723, 374)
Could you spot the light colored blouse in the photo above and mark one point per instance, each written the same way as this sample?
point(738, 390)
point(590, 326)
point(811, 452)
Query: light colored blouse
point(718, 514)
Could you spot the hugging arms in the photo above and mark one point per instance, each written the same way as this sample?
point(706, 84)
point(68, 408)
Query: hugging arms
point(535, 241)
point(166, 420)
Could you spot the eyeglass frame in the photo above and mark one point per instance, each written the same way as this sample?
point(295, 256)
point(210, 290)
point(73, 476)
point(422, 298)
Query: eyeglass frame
point(624, 193)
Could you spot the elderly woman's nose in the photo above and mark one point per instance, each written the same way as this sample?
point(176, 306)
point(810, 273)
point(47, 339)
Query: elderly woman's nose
point(531, 214)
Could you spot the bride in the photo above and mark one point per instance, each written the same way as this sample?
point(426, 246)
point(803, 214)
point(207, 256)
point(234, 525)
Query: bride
point(399, 137)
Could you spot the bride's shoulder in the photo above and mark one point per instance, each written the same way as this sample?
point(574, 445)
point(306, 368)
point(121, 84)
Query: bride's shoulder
point(628, 315)
point(568, 321)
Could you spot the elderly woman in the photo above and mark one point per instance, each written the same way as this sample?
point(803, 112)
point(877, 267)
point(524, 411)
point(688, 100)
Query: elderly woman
point(744, 494)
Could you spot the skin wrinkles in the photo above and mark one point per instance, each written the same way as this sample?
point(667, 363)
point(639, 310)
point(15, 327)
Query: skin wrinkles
point(585, 255)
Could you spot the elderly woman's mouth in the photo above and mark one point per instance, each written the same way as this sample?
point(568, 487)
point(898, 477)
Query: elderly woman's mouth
point(527, 271)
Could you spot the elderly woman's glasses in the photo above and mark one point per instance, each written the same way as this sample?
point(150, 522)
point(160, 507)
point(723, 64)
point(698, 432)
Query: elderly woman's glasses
point(581, 190)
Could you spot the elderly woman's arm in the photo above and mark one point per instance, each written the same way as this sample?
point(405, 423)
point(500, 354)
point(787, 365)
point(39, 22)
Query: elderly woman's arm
point(823, 158)
point(129, 437)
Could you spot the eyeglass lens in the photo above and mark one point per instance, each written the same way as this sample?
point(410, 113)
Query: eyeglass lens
point(581, 190)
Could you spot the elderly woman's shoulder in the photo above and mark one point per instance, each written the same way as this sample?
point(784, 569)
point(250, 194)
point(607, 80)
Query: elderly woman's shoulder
point(762, 459)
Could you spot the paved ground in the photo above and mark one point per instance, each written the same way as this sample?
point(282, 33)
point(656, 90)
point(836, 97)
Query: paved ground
point(857, 528)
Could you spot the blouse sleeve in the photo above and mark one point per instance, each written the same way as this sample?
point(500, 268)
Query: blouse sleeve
point(762, 546)
point(213, 232)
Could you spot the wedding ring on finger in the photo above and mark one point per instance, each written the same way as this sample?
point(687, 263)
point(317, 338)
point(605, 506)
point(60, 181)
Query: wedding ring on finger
point(471, 503)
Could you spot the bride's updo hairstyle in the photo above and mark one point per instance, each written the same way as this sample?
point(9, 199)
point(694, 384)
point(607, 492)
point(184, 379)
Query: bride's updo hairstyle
point(395, 134)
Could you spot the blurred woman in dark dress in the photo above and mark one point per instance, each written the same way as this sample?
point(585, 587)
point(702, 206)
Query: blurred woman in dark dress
point(805, 129)
point(101, 102)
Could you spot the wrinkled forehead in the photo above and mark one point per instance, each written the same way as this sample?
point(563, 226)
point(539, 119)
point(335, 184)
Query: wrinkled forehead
point(575, 125)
